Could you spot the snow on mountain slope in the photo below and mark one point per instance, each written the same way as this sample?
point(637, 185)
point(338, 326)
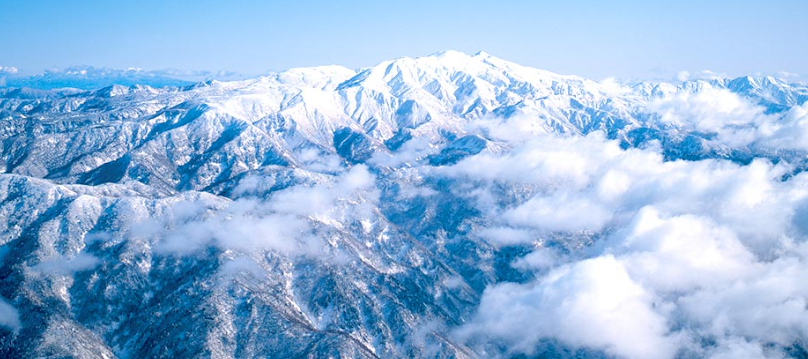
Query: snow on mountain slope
point(89, 77)
point(327, 212)
point(432, 96)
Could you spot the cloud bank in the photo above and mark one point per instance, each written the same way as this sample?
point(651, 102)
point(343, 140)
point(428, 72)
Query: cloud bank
point(734, 120)
point(689, 258)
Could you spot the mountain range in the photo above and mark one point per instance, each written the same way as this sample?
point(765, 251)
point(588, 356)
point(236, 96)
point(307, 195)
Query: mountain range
point(316, 212)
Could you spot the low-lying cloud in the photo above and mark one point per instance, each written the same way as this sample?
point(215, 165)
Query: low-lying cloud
point(283, 222)
point(64, 266)
point(734, 120)
point(9, 316)
point(690, 258)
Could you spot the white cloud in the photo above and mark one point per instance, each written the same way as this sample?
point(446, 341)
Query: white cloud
point(681, 253)
point(546, 213)
point(64, 265)
point(408, 154)
point(592, 303)
point(686, 252)
point(613, 87)
point(540, 258)
point(769, 307)
point(709, 110)
point(788, 75)
point(281, 223)
point(318, 161)
point(735, 120)
point(9, 316)
point(545, 160)
point(787, 132)
point(7, 70)
point(506, 235)
point(704, 75)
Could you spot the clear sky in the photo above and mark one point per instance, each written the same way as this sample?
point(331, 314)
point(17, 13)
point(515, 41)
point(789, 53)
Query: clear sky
point(597, 39)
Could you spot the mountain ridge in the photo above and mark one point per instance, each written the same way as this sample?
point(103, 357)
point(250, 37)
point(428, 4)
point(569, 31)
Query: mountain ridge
point(327, 212)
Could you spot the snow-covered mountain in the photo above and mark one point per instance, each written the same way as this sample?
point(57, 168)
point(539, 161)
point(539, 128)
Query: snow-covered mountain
point(89, 77)
point(322, 212)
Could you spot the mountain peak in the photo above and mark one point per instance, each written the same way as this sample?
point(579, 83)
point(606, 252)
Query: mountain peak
point(450, 55)
point(456, 58)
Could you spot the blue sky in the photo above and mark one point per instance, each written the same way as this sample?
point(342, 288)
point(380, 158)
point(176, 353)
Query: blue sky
point(597, 39)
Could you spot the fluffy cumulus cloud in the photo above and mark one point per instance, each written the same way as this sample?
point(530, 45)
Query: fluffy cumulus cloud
point(709, 110)
point(689, 258)
point(5, 71)
point(8, 70)
point(734, 120)
point(592, 303)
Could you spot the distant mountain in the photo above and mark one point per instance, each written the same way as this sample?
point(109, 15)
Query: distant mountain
point(91, 78)
point(299, 214)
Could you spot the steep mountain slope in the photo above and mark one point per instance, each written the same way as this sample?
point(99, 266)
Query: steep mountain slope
point(309, 213)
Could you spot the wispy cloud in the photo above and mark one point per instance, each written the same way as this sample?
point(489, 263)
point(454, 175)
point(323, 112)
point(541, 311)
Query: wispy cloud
point(282, 223)
point(63, 265)
point(9, 316)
